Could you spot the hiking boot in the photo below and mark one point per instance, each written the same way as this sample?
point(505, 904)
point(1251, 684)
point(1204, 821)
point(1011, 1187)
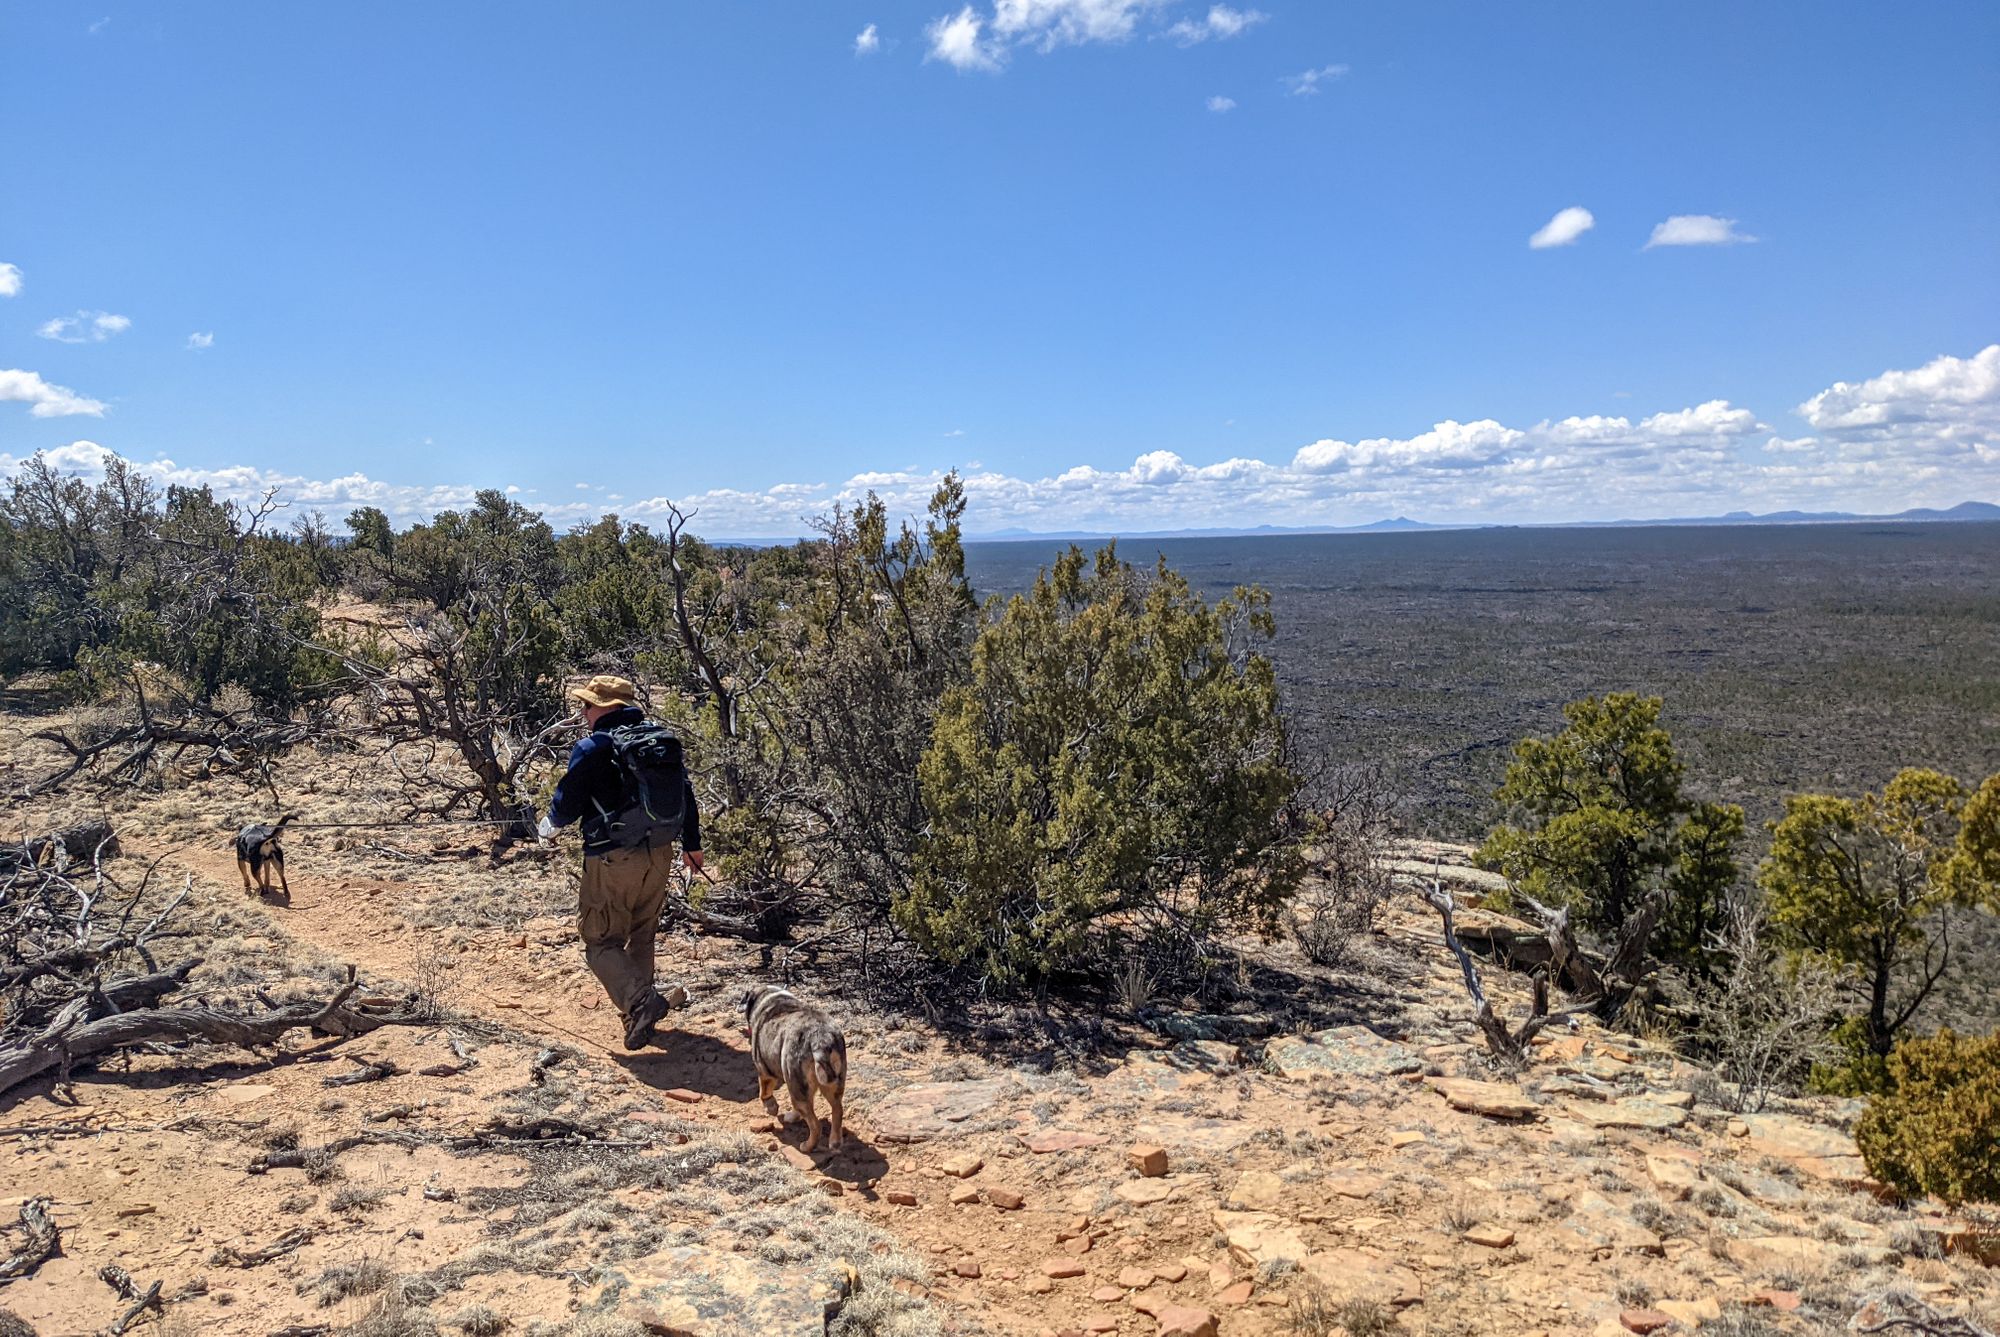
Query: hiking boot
point(646, 1013)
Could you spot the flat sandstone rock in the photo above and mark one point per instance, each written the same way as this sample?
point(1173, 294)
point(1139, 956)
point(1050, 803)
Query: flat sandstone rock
point(1346, 1051)
point(931, 1109)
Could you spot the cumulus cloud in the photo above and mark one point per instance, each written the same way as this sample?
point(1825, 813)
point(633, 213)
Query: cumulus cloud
point(1564, 228)
point(1942, 390)
point(10, 280)
point(1922, 437)
point(45, 400)
point(955, 40)
point(1220, 104)
point(201, 340)
point(85, 327)
point(1697, 230)
point(1307, 82)
point(1220, 24)
point(867, 42)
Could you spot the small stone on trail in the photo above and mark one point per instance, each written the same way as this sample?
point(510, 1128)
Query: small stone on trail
point(1062, 1267)
point(682, 1094)
point(1235, 1293)
point(1077, 1244)
point(963, 1166)
point(1489, 1236)
point(1181, 1321)
point(1171, 1272)
point(964, 1194)
point(1135, 1278)
point(1644, 1320)
point(1785, 1301)
point(967, 1268)
point(1406, 1138)
point(1107, 1295)
point(1006, 1199)
point(797, 1159)
point(1149, 1160)
point(901, 1197)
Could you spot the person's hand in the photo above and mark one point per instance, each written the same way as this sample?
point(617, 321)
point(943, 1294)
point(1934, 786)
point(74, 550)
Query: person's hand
point(692, 858)
point(544, 830)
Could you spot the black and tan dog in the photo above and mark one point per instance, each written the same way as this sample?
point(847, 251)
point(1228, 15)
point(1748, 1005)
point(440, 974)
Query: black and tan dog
point(258, 853)
point(795, 1043)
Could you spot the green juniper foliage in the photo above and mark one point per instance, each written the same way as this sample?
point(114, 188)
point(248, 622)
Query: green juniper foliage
point(1597, 819)
point(1112, 773)
point(1933, 1128)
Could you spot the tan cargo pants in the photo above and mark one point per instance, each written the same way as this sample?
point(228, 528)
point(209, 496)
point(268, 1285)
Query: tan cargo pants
point(618, 913)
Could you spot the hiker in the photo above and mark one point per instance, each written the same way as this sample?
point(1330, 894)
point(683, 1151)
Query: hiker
point(627, 782)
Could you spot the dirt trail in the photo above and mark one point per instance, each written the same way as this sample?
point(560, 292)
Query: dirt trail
point(1368, 1164)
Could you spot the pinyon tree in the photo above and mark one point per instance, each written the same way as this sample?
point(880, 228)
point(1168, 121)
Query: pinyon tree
point(1863, 885)
point(1597, 823)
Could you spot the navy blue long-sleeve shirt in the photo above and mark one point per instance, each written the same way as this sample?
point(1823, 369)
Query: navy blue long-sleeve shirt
point(592, 786)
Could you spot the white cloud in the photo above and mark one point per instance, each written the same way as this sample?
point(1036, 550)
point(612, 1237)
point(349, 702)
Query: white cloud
point(1714, 418)
point(1944, 389)
point(1697, 230)
point(1307, 82)
point(100, 25)
point(1049, 24)
point(1564, 228)
point(955, 40)
point(974, 39)
point(201, 340)
point(1220, 104)
point(1221, 23)
point(867, 42)
point(85, 327)
point(45, 400)
point(10, 280)
point(1923, 437)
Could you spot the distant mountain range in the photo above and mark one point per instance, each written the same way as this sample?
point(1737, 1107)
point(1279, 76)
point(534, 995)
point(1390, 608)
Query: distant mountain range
point(1964, 511)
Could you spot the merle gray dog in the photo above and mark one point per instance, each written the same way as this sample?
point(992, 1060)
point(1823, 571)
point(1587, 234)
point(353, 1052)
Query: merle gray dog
point(795, 1043)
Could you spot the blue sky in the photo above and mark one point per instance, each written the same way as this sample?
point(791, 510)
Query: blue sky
point(1114, 258)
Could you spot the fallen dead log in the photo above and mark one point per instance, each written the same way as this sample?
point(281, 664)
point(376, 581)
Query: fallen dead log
point(43, 1243)
point(83, 843)
point(71, 1038)
point(297, 1158)
point(296, 1238)
point(371, 1070)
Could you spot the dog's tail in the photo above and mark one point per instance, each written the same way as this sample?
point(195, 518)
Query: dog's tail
point(829, 1062)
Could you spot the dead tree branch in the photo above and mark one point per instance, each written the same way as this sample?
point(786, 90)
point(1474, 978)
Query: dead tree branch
point(1510, 1046)
point(44, 1242)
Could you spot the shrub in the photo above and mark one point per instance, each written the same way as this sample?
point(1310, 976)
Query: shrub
point(1113, 772)
point(1597, 821)
point(1932, 1131)
point(1862, 885)
point(1766, 1018)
